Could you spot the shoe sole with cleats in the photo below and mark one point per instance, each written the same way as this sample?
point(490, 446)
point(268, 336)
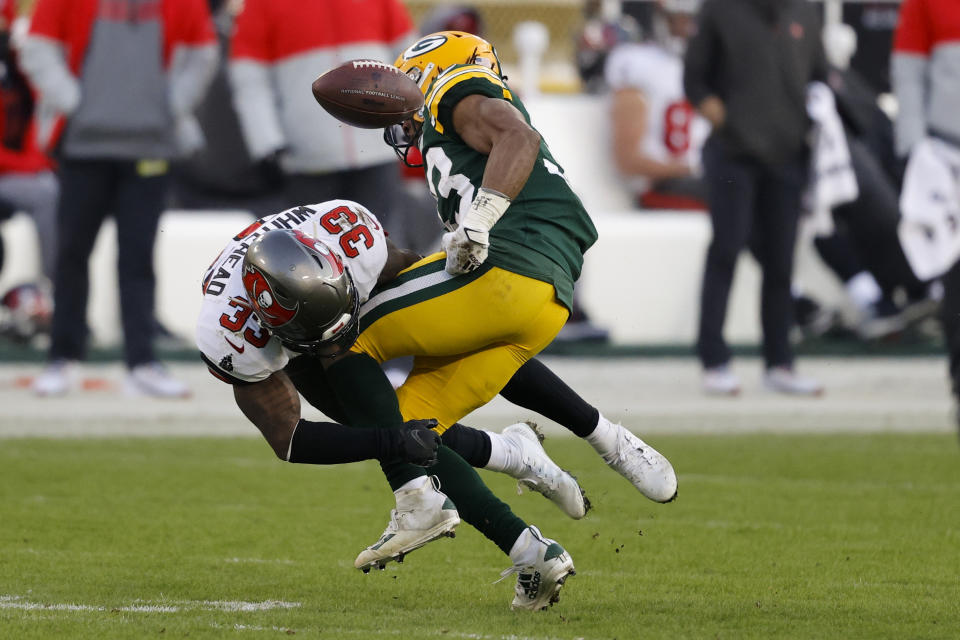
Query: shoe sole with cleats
point(556, 582)
point(443, 529)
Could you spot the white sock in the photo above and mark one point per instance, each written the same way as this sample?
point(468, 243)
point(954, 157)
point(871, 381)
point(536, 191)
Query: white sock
point(524, 550)
point(415, 483)
point(604, 437)
point(500, 453)
point(863, 290)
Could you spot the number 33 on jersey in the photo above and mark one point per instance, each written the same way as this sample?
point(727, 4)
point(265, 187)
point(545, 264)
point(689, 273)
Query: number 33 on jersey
point(231, 341)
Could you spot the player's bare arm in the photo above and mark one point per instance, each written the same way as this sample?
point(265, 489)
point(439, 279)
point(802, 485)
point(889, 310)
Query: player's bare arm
point(496, 128)
point(273, 406)
point(397, 260)
point(630, 112)
point(713, 109)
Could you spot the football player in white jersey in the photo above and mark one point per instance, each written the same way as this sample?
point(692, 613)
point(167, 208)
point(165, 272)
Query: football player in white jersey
point(239, 351)
point(657, 134)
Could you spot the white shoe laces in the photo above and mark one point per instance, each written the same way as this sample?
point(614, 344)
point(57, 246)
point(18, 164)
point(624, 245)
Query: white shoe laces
point(393, 525)
point(517, 568)
point(537, 467)
point(532, 460)
point(626, 442)
point(522, 568)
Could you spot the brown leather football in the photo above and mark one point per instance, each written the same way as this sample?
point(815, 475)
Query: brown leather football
point(368, 94)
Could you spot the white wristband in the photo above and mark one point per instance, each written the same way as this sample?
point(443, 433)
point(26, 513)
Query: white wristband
point(487, 207)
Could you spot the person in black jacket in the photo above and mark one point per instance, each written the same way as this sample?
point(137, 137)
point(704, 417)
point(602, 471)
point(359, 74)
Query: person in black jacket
point(746, 70)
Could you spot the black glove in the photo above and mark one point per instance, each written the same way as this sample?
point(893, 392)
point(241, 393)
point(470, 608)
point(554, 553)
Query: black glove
point(418, 442)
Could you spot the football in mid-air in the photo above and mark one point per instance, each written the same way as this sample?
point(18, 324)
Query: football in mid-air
point(368, 94)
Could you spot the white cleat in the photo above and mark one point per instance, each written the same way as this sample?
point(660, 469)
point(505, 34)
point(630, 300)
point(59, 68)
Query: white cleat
point(152, 379)
point(423, 514)
point(786, 380)
point(542, 566)
point(56, 379)
point(537, 472)
point(650, 472)
point(720, 381)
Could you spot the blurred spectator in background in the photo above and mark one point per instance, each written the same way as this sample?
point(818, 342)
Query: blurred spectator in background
point(27, 182)
point(873, 23)
point(747, 69)
point(657, 136)
point(124, 77)
point(657, 140)
point(864, 250)
point(222, 175)
point(925, 72)
point(453, 18)
point(604, 28)
point(279, 47)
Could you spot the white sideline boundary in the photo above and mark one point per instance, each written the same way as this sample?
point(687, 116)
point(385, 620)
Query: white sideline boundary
point(23, 604)
point(650, 396)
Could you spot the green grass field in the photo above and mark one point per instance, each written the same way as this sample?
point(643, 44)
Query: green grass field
point(828, 536)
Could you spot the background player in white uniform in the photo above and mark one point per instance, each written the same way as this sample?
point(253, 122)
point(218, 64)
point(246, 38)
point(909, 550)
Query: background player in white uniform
point(657, 134)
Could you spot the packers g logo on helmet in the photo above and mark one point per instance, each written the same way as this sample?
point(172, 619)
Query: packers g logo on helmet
point(423, 61)
point(431, 55)
point(424, 45)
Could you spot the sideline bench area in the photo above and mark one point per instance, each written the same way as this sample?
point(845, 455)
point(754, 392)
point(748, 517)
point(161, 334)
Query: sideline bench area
point(641, 280)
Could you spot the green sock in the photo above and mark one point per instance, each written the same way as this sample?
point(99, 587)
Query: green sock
point(369, 402)
point(475, 502)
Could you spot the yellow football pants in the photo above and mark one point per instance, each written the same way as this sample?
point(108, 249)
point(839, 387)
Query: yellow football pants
point(468, 334)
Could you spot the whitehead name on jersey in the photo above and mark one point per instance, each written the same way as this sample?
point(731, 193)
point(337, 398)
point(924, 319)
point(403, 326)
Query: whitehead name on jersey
point(234, 346)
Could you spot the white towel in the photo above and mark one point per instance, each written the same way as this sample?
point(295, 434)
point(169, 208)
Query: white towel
point(832, 180)
point(930, 205)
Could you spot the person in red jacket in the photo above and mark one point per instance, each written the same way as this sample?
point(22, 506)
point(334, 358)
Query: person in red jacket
point(26, 180)
point(121, 79)
point(281, 46)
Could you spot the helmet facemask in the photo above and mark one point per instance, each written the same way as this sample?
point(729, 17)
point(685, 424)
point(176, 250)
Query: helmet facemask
point(423, 62)
point(332, 342)
point(404, 137)
point(301, 293)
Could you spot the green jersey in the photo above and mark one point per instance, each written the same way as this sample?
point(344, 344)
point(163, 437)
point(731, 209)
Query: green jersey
point(545, 231)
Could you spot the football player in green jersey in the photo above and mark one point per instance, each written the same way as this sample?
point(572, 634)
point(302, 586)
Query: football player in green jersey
point(482, 156)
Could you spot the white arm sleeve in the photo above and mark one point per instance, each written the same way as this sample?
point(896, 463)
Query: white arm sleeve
point(191, 72)
point(254, 99)
point(908, 75)
point(45, 64)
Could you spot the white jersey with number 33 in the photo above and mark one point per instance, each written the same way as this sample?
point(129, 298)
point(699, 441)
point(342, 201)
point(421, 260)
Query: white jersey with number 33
point(234, 346)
